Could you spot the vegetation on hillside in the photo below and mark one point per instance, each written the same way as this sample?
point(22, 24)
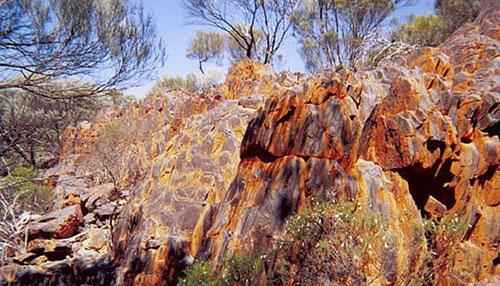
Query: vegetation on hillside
point(432, 30)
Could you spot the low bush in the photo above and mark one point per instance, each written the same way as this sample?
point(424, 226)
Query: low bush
point(22, 194)
point(337, 244)
point(242, 269)
point(24, 188)
point(200, 274)
point(237, 270)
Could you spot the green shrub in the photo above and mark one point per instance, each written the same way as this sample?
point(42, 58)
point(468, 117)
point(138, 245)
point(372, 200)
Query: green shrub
point(24, 187)
point(238, 269)
point(242, 269)
point(301, 226)
point(337, 243)
point(441, 235)
point(200, 274)
point(428, 30)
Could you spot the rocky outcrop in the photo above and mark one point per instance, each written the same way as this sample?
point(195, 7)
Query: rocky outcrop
point(203, 176)
point(175, 151)
point(416, 137)
point(185, 181)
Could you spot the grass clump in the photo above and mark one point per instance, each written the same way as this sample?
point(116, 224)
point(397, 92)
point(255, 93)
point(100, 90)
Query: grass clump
point(242, 269)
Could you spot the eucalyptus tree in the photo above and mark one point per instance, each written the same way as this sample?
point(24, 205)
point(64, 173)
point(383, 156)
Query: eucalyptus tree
point(433, 29)
point(107, 44)
point(332, 33)
point(31, 126)
point(257, 27)
point(206, 47)
point(457, 12)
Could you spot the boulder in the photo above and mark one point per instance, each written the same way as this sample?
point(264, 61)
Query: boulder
point(61, 223)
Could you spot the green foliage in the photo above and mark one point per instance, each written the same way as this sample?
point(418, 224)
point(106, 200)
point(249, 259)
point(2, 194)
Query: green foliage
point(342, 215)
point(106, 162)
point(23, 177)
point(422, 30)
point(235, 51)
point(441, 235)
point(450, 228)
point(238, 269)
point(200, 274)
point(24, 186)
point(205, 47)
point(333, 33)
point(432, 30)
point(245, 23)
point(42, 41)
point(337, 240)
point(457, 12)
point(301, 226)
point(190, 83)
point(242, 269)
point(31, 126)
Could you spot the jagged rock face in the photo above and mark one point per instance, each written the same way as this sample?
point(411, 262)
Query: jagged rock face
point(162, 218)
point(162, 227)
point(148, 125)
point(181, 152)
point(416, 136)
point(305, 144)
point(208, 175)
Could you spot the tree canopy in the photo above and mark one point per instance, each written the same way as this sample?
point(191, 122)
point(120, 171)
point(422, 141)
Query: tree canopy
point(248, 23)
point(31, 125)
point(333, 33)
point(432, 30)
point(205, 47)
point(105, 44)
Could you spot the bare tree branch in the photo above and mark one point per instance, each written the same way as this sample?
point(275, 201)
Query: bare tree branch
point(109, 43)
point(257, 27)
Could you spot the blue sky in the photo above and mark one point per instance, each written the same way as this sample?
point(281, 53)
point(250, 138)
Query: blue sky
point(171, 24)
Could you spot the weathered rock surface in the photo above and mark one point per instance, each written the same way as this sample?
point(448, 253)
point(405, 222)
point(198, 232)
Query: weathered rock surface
point(58, 224)
point(416, 136)
point(182, 154)
point(162, 219)
point(207, 175)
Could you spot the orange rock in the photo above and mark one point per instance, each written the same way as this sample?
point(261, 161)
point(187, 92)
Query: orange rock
point(434, 208)
point(184, 182)
point(57, 224)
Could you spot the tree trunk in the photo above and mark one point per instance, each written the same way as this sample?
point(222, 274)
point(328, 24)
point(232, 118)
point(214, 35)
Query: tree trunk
point(201, 67)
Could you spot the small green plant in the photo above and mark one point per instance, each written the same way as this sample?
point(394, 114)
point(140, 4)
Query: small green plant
point(23, 178)
point(301, 226)
point(200, 274)
point(21, 194)
point(453, 227)
point(242, 269)
point(441, 236)
point(238, 269)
